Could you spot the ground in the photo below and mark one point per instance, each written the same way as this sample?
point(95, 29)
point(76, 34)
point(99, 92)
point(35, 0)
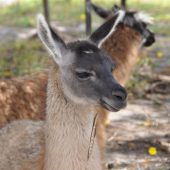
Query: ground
point(139, 136)
point(133, 131)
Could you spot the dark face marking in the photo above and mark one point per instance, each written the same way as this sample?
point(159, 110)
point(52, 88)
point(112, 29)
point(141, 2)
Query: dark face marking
point(103, 13)
point(129, 20)
point(90, 77)
point(140, 27)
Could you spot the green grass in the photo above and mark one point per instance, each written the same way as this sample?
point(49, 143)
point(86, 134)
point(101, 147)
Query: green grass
point(70, 12)
point(25, 57)
point(22, 57)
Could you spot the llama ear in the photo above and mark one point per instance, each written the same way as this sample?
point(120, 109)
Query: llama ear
point(54, 44)
point(115, 8)
point(104, 31)
point(101, 12)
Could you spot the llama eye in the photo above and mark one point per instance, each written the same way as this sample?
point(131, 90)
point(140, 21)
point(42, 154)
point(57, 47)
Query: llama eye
point(83, 75)
point(113, 68)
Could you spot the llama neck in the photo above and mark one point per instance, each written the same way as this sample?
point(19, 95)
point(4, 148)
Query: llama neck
point(123, 46)
point(68, 129)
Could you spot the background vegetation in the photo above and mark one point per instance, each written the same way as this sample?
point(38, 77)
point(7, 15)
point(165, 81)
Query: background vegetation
point(26, 56)
point(71, 12)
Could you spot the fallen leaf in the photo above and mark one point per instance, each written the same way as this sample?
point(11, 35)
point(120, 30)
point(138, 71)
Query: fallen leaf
point(147, 123)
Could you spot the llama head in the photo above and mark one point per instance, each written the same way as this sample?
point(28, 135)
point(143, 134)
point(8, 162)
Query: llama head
point(86, 71)
point(138, 21)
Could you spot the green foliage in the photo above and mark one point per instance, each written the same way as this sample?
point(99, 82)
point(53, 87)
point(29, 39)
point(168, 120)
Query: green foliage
point(22, 57)
point(136, 84)
point(69, 12)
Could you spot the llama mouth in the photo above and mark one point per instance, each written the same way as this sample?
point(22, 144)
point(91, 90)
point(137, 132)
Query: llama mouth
point(109, 107)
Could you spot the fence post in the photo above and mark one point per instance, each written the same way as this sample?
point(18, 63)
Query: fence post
point(46, 10)
point(123, 4)
point(88, 16)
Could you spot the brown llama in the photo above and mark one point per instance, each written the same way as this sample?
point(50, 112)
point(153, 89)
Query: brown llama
point(22, 98)
point(123, 45)
point(79, 79)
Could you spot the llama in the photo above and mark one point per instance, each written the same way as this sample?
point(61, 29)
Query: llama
point(80, 78)
point(123, 43)
point(123, 46)
point(23, 98)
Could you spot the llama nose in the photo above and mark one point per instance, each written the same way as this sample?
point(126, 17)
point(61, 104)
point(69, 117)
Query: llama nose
point(120, 94)
point(150, 38)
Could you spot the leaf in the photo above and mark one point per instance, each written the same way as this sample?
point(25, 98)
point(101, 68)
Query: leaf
point(147, 123)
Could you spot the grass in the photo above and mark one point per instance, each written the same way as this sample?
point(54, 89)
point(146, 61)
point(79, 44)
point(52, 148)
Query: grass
point(22, 57)
point(70, 12)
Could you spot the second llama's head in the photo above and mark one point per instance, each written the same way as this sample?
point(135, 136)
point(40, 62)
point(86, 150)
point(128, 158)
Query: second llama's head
point(136, 20)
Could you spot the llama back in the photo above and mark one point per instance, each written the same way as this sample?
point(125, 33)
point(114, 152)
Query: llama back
point(22, 98)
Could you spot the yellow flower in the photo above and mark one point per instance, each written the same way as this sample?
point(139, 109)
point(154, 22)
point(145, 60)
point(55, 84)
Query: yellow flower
point(159, 54)
point(82, 17)
point(152, 151)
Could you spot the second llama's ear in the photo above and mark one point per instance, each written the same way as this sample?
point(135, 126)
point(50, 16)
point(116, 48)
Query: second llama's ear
point(104, 31)
point(103, 13)
point(54, 44)
point(115, 8)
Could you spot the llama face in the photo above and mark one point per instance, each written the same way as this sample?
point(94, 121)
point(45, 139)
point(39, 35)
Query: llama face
point(88, 78)
point(86, 71)
point(138, 21)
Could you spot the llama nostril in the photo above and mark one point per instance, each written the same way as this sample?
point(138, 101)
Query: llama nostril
point(120, 95)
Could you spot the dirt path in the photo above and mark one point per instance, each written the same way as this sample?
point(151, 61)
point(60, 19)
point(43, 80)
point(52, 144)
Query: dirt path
point(145, 123)
point(131, 133)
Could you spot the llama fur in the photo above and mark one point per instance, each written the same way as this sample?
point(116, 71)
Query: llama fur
point(26, 149)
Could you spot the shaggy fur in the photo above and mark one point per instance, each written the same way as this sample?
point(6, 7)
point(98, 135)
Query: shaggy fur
point(22, 98)
point(68, 142)
point(22, 142)
point(126, 43)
